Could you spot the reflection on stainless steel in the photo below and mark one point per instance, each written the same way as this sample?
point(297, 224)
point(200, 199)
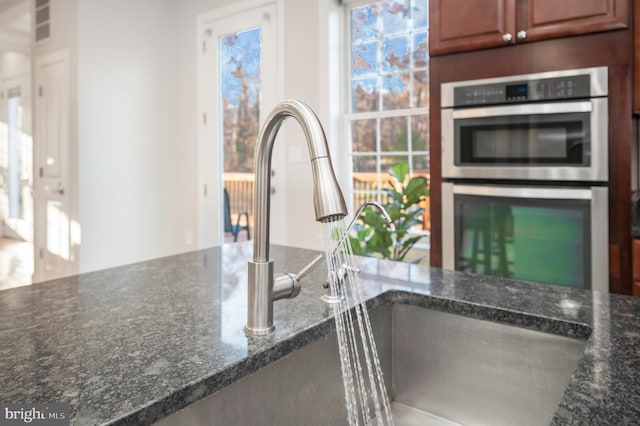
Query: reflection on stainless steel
point(597, 195)
point(328, 201)
point(531, 103)
point(461, 369)
point(597, 170)
point(598, 77)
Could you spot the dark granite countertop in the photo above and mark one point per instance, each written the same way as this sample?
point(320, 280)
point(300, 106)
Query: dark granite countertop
point(133, 344)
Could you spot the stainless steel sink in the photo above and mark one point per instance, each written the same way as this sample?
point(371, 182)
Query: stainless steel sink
point(440, 369)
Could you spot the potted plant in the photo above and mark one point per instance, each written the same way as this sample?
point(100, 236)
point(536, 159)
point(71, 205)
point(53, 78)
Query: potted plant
point(373, 237)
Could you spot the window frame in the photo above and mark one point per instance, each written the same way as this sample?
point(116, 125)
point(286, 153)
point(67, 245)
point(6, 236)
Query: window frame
point(350, 116)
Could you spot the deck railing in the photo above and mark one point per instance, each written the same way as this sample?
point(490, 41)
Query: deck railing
point(240, 188)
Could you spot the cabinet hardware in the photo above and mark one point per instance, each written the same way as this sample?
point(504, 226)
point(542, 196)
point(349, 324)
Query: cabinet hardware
point(522, 34)
point(507, 37)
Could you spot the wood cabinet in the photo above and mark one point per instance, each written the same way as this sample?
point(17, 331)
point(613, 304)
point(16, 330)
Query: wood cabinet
point(461, 25)
point(635, 247)
point(636, 55)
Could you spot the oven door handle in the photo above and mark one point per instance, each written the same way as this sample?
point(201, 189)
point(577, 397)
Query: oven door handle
point(525, 192)
point(524, 109)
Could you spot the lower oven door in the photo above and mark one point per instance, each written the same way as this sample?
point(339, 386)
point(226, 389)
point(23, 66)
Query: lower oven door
point(544, 234)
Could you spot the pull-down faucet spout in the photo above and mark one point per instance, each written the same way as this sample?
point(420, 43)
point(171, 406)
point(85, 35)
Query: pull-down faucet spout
point(327, 197)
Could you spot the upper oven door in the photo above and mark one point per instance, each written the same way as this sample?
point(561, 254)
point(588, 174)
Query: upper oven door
point(560, 141)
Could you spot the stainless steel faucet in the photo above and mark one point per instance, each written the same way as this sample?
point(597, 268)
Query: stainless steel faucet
point(264, 287)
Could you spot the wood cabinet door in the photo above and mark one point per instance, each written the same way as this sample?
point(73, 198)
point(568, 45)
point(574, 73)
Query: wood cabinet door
point(461, 25)
point(636, 55)
point(542, 19)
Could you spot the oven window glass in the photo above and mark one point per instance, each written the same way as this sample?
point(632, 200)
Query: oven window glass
point(546, 241)
point(545, 139)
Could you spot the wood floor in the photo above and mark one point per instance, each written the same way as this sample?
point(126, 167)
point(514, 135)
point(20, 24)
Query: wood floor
point(16, 263)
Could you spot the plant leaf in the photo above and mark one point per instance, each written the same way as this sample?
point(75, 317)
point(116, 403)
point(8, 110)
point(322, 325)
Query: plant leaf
point(399, 171)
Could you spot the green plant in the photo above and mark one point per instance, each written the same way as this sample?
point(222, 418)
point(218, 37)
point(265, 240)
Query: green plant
point(373, 237)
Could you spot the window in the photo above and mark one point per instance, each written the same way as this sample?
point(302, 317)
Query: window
point(388, 111)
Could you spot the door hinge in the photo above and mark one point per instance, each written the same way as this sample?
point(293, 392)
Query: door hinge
point(41, 253)
point(204, 118)
point(41, 172)
point(205, 190)
point(40, 91)
point(204, 47)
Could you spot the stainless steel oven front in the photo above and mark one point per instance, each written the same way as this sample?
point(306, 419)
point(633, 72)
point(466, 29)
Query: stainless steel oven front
point(545, 126)
point(554, 235)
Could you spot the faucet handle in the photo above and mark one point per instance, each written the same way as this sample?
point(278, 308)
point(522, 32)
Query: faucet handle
point(287, 286)
point(306, 269)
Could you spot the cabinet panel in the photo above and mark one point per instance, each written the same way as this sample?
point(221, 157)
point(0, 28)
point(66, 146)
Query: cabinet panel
point(635, 249)
point(460, 25)
point(542, 19)
point(636, 55)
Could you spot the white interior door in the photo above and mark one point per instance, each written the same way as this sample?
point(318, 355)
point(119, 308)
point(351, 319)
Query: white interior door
point(52, 114)
point(216, 30)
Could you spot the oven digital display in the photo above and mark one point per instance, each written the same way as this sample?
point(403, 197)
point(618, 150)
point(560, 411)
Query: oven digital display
point(518, 91)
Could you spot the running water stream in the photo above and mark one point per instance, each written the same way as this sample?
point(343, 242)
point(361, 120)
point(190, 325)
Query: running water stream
point(366, 396)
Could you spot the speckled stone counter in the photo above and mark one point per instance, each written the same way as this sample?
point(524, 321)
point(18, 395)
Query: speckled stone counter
point(134, 344)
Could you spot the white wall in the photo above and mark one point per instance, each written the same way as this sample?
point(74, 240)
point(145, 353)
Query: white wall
point(128, 139)
point(137, 151)
point(302, 70)
point(14, 64)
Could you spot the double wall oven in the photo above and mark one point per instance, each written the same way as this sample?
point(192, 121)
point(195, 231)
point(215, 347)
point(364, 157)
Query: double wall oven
point(525, 171)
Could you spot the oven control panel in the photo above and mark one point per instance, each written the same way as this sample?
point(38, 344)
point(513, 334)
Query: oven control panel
point(547, 89)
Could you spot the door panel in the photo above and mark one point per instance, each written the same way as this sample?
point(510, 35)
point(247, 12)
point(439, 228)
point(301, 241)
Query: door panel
point(54, 257)
point(542, 19)
point(455, 25)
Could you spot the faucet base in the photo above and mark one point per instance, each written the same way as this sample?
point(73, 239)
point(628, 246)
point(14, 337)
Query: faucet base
point(259, 331)
point(330, 299)
point(260, 298)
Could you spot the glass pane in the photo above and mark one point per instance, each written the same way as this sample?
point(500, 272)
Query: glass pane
point(240, 89)
point(420, 165)
point(538, 240)
point(240, 61)
point(420, 132)
point(364, 164)
point(395, 91)
point(561, 139)
point(363, 135)
point(395, 14)
point(364, 59)
point(395, 52)
point(364, 23)
point(420, 50)
point(365, 95)
point(420, 14)
point(421, 89)
point(393, 134)
point(386, 162)
point(365, 184)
